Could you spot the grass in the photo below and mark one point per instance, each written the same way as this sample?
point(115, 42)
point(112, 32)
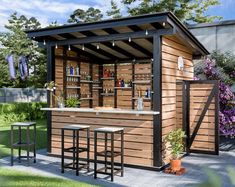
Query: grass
point(10, 178)
point(5, 134)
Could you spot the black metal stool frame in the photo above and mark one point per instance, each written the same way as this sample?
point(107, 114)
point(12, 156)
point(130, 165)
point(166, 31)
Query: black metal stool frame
point(107, 154)
point(75, 149)
point(20, 144)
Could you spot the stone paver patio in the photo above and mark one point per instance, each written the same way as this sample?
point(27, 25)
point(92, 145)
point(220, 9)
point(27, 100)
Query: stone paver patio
point(50, 166)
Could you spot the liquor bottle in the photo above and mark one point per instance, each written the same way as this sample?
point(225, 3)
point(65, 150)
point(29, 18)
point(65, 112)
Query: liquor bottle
point(112, 74)
point(146, 93)
point(71, 70)
point(77, 70)
point(149, 93)
point(130, 83)
point(105, 73)
point(67, 70)
point(122, 83)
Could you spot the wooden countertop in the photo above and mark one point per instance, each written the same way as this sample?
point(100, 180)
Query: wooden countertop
point(97, 111)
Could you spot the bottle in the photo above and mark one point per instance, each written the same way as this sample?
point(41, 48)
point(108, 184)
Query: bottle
point(105, 73)
point(122, 83)
point(108, 73)
point(130, 84)
point(112, 74)
point(67, 70)
point(149, 93)
point(71, 70)
point(77, 70)
point(146, 93)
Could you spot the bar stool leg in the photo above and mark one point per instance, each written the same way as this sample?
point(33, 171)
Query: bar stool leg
point(74, 149)
point(95, 155)
point(88, 149)
point(122, 153)
point(105, 149)
point(77, 154)
point(62, 151)
point(112, 155)
point(34, 147)
point(19, 149)
point(28, 146)
point(12, 140)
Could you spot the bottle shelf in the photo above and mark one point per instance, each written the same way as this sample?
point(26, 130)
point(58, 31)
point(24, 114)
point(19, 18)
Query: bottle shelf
point(96, 88)
point(142, 82)
point(107, 78)
point(107, 94)
point(73, 87)
point(73, 75)
point(86, 81)
point(86, 98)
point(124, 88)
point(144, 98)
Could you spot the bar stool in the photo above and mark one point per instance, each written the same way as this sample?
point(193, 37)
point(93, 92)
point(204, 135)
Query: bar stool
point(109, 153)
point(20, 143)
point(76, 148)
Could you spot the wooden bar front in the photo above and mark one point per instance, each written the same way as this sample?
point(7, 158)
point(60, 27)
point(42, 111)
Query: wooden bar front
point(138, 129)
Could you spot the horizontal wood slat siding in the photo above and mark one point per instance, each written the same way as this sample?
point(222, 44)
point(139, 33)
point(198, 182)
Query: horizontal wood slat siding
point(172, 48)
point(138, 133)
point(205, 138)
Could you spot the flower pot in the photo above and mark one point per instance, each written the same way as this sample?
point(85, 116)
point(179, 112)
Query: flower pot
point(175, 165)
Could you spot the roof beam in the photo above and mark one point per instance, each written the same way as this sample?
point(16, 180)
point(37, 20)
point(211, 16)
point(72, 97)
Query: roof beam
point(160, 17)
point(133, 44)
point(137, 28)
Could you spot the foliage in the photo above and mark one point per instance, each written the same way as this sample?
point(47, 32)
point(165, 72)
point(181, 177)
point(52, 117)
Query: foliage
point(185, 10)
point(115, 11)
point(12, 112)
point(175, 138)
point(214, 180)
point(16, 42)
point(72, 102)
point(208, 69)
point(89, 15)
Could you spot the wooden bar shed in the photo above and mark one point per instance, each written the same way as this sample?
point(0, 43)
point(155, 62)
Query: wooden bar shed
point(151, 54)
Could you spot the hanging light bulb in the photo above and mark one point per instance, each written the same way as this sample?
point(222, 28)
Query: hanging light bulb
point(164, 24)
point(113, 43)
point(146, 32)
point(56, 46)
point(98, 46)
point(129, 39)
point(44, 42)
point(134, 60)
point(152, 59)
point(83, 47)
point(69, 48)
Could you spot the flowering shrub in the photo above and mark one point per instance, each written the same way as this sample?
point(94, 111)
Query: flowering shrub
point(208, 70)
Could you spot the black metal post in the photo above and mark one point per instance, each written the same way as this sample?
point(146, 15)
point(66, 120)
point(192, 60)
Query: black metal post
point(157, 100)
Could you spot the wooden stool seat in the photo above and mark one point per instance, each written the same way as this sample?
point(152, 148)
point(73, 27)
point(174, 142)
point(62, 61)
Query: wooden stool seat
point(109, 129)
point(20, 144)
point(76, 127)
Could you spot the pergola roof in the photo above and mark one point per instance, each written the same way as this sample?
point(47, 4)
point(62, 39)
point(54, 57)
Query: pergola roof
point(118, 46)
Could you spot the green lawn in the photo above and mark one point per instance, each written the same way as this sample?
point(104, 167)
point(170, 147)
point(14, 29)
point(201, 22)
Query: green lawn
point(10, 178)
point(5, 136)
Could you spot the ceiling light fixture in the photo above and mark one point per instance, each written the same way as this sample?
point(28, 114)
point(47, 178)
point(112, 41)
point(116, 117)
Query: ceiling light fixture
point(146, 32)
point(56, 46)
point(69, 48)
point(164, 24)
point(113, 43)
point(129, 39)
point(98, 46)
point(44, 42)
point(83, 47)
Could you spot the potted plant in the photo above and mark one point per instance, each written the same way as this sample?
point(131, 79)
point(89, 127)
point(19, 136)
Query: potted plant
point(126, 84)
point(73, 102)
point(175, 139)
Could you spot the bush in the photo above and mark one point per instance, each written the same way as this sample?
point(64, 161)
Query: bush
point(11, 112)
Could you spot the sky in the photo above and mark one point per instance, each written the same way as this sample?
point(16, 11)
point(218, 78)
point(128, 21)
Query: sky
point(47, 11)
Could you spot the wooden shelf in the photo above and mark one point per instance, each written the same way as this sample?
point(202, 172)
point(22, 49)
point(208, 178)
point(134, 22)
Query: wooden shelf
point(107, 94)
point(124, 88)
point(86, 98)
point(73, 75)
point(144, 98)
point(85, 81)
point(142, 82)
point(96, 88)
point(73, 87)
point(107, 78)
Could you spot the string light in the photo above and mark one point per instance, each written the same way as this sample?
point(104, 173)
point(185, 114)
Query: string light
point(113, 43)
point(83, 47)
point(44, 42)
point(146, 32)
point(129, 39)
point(56, 46)
point(134, 60)
point(164, 24)
point(152, 59)
point(98, 46)
point(69, 48)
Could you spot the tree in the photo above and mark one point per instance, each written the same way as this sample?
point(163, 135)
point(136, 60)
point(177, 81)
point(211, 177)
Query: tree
point(115, 11)
point(89, 15)
point(17, 43)
point(185, 10)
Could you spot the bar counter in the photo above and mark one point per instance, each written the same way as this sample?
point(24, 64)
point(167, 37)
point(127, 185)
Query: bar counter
point(138, 130)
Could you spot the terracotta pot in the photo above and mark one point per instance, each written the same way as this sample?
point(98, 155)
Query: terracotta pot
point(175, 165)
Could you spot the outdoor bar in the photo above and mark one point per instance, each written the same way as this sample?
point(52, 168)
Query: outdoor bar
point(127, 73)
